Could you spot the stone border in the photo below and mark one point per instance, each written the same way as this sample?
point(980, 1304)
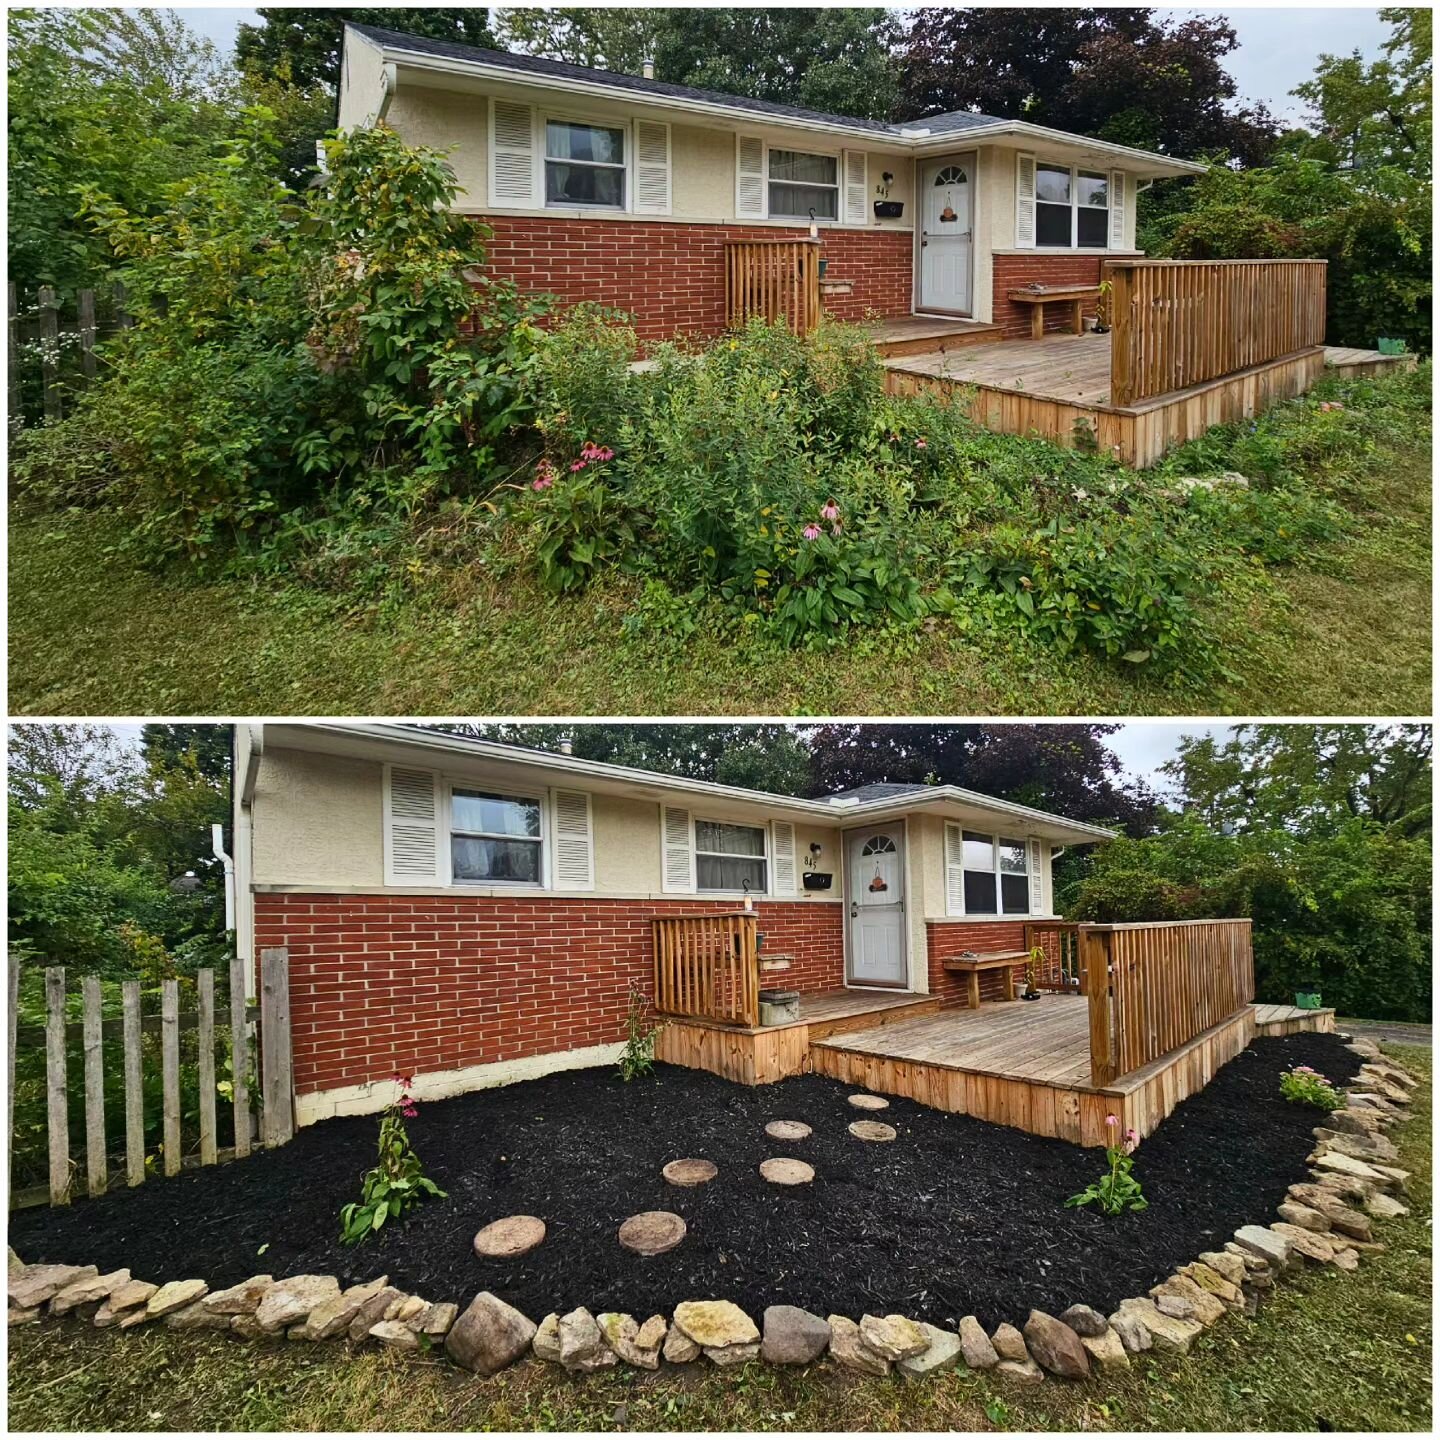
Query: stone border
point(1325, 1220)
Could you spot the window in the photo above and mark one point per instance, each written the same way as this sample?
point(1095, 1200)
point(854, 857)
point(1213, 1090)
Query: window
point(1072, 208)
point(996, 875)
point(800, 183)
point(730, 857)
point(584, 165)
point(494, 839)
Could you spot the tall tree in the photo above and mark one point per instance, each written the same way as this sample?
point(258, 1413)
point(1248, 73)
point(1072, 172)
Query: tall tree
point(1119, 75)
point(305, 45)
point(619, 38)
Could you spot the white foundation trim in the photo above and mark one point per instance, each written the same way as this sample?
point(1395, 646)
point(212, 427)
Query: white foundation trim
point(375, 1095)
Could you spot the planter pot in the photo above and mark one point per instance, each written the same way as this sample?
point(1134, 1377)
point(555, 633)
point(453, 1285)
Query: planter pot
point(1307, 1000)
point(779, 1007)
point(816, 880)
point(889, 209)
point(1030, 995)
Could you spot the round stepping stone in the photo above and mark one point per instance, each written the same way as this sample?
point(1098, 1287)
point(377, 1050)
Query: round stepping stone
point(788, 1130)
point(652, 1232)
point(869, 1102)
point(690, 1172)
point(787, 1172)
point(872, 1130)
point(507, 1238)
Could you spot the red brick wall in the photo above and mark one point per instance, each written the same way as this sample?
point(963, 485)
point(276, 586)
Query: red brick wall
point(950, 938)
point(671, 277)
point(380, 983)
point(1013, 271)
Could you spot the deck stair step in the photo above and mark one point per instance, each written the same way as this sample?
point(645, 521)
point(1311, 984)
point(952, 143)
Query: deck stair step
point(927, 335)
point(872, 1019)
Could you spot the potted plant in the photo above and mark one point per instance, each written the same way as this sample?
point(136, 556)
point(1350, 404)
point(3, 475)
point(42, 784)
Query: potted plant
point(1307, 996)
point(1033, 961)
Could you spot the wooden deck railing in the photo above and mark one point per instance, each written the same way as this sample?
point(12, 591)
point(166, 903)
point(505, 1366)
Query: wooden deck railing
point(775, 280)
point(1153, 987)
point(706, 966)
point(1059, 942)
point(1176, 323)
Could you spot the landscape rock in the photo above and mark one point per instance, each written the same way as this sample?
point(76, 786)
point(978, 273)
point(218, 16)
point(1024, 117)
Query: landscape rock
point(546, 1343)
point(847, 1347)
point(1056, 1347)
point(1361, 1147)
point(1023, 1372)
point(716, 1325)
point(175, 1295)
point(975, 1346)
point(1346, 1260)
point(1337, 1164)
point(24, 1317)
point(1294, 1213)
point(1213, 1283)
point(1167, 1332)
point(941, 1354)
point(122, 1300)
point(1205, 1307)
point(489, 1335)
point(248, 1328)
point(1321, 1248)
point(241, 1299)
point(288, 1302)
point(793, 1336)
point(679, 1348)
point(15, 1263)
point(1084, 1320)
point(88, 1292)
point(893, 1336)
point(395, 1334)
point(196, 1317)
point(1009, 1343)
point(1175, 1306)
point(1384, 1207)
point(582, 1346)
point(334, 1316)
point(624, 1335)
point(1398, 1179)
point(1106, 1350)
point(437, 1319)
point(1132, 1332)
point(1265, 1243)
point(1354, 1122)
point(372, 1312)
point(36, 1284)
point(1232, 1267)
point(405, 1309)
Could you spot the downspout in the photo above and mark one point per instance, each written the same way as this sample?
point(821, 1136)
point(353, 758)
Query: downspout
point(217, 848)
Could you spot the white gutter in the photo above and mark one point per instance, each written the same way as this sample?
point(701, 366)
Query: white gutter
point(388, 83)
point(252, 764)
point(832, 812)
point(217, 848)
point(915, 138)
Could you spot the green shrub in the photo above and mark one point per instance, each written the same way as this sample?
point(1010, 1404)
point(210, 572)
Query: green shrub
point(1302, 1085)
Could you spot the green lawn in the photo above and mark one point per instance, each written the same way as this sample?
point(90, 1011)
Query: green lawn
point(92, 632)
point(1327, 1351)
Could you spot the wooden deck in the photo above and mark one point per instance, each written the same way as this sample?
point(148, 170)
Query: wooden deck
point(1060, 389)
point(929, 335)
point(1026, 1064)
point(1352, 364)
point(1292, 1020)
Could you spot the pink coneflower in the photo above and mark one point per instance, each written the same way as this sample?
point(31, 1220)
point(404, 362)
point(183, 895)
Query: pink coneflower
point(409, 1112)
point(1112, 1120)
point(1131, 1137)
point(830, 511)
point(811, 532)
point(920, 443)
point(835, 528)
point(542, 482)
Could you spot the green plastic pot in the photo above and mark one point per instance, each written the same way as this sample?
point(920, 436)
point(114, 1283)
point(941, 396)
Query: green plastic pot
point(1307, 1000)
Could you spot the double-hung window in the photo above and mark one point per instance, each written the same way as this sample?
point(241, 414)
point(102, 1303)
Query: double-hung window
point(996, 875)
point(730, 858)
point(584, 165)
point(800, 183)
point(495, 839)
point(1072, 208)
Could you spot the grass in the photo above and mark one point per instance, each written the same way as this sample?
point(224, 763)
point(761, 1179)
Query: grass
point(93, 632)
point(1327, 1351)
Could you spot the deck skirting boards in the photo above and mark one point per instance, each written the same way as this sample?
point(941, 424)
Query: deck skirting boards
point(1138, 435)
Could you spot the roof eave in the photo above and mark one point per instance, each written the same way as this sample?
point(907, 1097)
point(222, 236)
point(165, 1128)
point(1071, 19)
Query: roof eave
point(1139, 160)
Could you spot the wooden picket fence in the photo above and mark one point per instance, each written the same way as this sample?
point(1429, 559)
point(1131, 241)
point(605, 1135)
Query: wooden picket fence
point(276, 1104)
point(34, 344)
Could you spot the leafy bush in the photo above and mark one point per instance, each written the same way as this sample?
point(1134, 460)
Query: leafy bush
point(397, 1182)
point(1302, 1085)
point(637, 1059)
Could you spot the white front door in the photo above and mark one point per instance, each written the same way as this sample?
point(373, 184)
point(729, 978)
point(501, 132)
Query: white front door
point(876, 874)
point(946, 238)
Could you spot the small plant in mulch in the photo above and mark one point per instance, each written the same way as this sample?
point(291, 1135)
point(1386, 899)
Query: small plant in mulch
point(397, 1182)
point(1303, 1085)
point(637, 1059)
point(1117, 1190)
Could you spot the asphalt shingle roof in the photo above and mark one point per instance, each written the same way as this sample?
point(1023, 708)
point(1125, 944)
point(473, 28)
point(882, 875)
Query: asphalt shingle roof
point(879, 790)
point(560, 70)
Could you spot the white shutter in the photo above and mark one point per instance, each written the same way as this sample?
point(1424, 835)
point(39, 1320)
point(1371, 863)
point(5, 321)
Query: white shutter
point(749, 178)
point(1024, 202)
point(512, 154)
point(857, 190)
point(412, 827)
point(573, 847)
point(678, 876)
point(782, 857)
point(652, 168)
point(954, 871)
point(1117, 210)
point(1037, 877)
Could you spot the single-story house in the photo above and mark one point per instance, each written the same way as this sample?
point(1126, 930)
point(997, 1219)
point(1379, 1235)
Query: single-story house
point(625, 189)
point(476, 912)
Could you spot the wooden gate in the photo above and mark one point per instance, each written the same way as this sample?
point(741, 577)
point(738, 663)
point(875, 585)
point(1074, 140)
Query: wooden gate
point(777, 281)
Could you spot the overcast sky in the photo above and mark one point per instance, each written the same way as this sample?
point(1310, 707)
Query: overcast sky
point(1278, 46)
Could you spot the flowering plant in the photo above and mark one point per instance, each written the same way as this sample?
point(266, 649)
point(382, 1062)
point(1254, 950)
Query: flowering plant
point(1302, 1085)
point(1117, 1190)
point(397, 1181)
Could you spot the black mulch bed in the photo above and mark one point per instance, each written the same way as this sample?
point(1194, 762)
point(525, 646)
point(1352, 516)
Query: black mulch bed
point(954, 1217)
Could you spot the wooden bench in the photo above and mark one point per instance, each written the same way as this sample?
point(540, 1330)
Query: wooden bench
point(1038, 297)
point(971, 965)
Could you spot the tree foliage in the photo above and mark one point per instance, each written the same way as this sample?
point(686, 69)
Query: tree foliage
point(1119, 75)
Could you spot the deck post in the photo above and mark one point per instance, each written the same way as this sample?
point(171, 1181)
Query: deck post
point(1095, 960)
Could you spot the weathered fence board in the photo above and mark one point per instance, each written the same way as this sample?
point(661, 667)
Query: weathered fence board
point(14, 1016)
point(134, 1087)
point(170, 1070)
point(205, 993)
point(277, 1115)
point(57, 1112)
point(34, 341)
point(50, 351)
point(96, 1170)
point(239, 1058)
